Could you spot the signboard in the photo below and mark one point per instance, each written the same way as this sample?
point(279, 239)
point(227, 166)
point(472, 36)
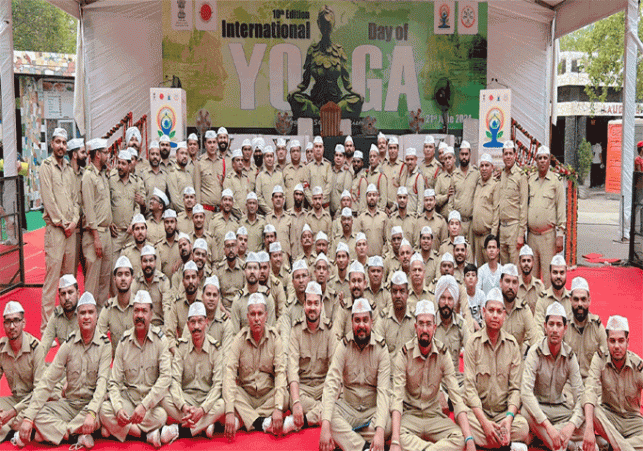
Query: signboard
point(495, 123)
point(243, 63)
point(167, 106)
point(613, 164)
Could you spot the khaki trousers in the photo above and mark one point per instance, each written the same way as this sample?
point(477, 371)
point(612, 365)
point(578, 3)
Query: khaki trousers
point(345, 418)
point(508, 239)
point(56, 418)
point(626, 433)
point(154, 418)
point(60, 257)
point(519, 428)
point(99, 270)
point(544, 247)
point(558, 416)
point(209, 418)
point(478, 252)
point(310, 398)
point(7, 403)
point(250, 408)
point(433, 433)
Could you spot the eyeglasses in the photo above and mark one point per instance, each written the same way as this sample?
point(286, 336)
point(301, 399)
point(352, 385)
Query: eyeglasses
point(14, 322)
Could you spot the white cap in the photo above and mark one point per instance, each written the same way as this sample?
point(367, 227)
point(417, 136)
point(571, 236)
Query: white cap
point(138, 219)
point(375, 262)
point(508, 145)
point(397, 230)
point(124, 155)
point(424, 307)
point(13, 307)
point(399, 278)
point(442, 145)
point(309, 146)
point(164, 139)
point(318, 140)
point(616, 322)
point(339, 148)
point(429, 192)
point(197, 309)
point(494, 295)
point(142, 297)
point(509, 269)
point(455, 214)
point(458, 240)
point(556, 309)
point(86, 299)
point(198, 208)
point(212, 280)
point(277, 189)
point(227, 193)
point(298, 187)
point(348, 139)
point(188, 190)
point(321, 236)
point(314, 288)
point(230, 236)
point(190, 266)
point(75, 143)
point(543, 150)
point(356, 267)
point(358, 154)
point(447, 282)
point(347, 212)
point(263, 257)
point(381, 135)
point(465, 145)
point(222, 131)
point(373, 149)
point(359, 237)
point(526, 250)
point(123, 262)
point(306, 228)
point(133, 152)
point(485, 157)
point(402, 191)
point(447, 257)
point(267, 150)
point(237, 153)
point(66, 281)
point(184, 236)
point(558, 260)
point(246, 143)
point(269, 228)
point(59, 132)
point(371, 188)
point(417, 257)
point(321, 257)
point(210, 134)
point(251, 196)
point(393, 140)
point(148, 250)
point(182, 145)
point(154, 144)
point(275, 247)
point(411, 152)
point(449, 150)
point(361, 305)
point(252, 257)
point(161, 195)
point(299, 265)
point(193, 137)
point(428, 139)
point(579, 283)
point(281, 142)
point(242, 231)
point(200, 243)
point(294, 143)
point(342, 247)
point(426, 230)
point(256, 299)
point(317, 190)
point(258, 142)
point(345, 194)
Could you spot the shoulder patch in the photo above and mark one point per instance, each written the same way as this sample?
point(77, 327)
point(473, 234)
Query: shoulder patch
point(105, 339)
point(404, 350)
point(383, 314)
point(640, 367)
point(71, 336)
point(216, 343)
point(34, 343)
point(224, 316)
point(543, 294)
point(345, 341)
point(183, 340)
point(159, 332)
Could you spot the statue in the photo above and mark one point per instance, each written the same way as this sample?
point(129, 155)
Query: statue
point(327, 64)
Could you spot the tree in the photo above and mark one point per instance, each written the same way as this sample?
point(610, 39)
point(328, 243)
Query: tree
point(41, 27)
point(603, 42)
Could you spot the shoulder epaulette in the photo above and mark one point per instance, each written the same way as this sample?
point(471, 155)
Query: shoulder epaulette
point(215, 342)
point(543, 294)
point(183, 340)
point(158, 331)
point(383, 313)
point(299, 320)
point(105, 339)
point(225, 316)
point(34, 343)
point(345, 341)
point(404, 350)
point(640, 367)
point(443, 348)
point(597, 320)
point(71, 336)
point(46, 161)
point(380, 341)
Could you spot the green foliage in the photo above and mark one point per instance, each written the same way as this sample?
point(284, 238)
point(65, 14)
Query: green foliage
point(584, 160)
point(41, 27)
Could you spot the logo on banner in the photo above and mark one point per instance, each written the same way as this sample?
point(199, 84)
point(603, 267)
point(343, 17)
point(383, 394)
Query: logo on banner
point(443, 17)
point(166, 121)
point(206, 15)
point(182, 14)
point(494, 121)
point(468, 17)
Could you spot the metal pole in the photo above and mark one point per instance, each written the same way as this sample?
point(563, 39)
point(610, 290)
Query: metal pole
point(6, 88)
point(629, 110)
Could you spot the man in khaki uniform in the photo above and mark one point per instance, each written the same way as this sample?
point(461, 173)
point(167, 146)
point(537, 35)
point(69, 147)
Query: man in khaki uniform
point(395, 324)
point(432, 219)
point(239, 183)
point(63, 321)
point(492, 364)
point(394, 169)
point(445, 184)
point(358, 416)
point(61, 215)
point(612, 399)
point(155, 227)
point(180, 178)
point(222, 222)
point(177, 315)
point(373, 222)
point(519, 321)
point(530, 287)
point(357, 283)
point(209, 173)
point(485, 209)
point(239, 309)
point(22, 361)
point(77, 155)
point(341, 179)
point(311, 348)
point(339, 281)
point(546, 214)
point(421, 367)
point(254, 381)
point(97, 239)
point(318, 173)
point(184, 222)
point(165, 147)
point(431, 166)
point(549, 366)
point(403, 216)
point(556, 291)
point(465, 180)
point(83, 361)
point(375, 291)
point(116, 315)
point(266, 180)
point(197, 379)
point(125, 191)
point(318, 218)
point(282, 221)
point(413, 180)
point(154, 176)
point(140, 378)
point(253, 223)
point(513, 205)
point(230, 271)
point(294, 173)
point(298, 215)
point(428, 255)
point(155, 283)
point(296, 299)
point(374, 175)
point(133, 249)
point(168, 247)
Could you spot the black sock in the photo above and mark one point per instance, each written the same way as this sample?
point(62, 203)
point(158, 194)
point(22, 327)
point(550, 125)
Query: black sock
point(258, 424)
point(305, 421)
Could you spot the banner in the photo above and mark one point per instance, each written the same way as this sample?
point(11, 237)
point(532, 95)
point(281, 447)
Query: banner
point(167, 107)
point(252, 64)
point(495, 123)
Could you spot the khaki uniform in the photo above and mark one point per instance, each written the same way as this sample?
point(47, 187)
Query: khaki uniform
point(443, 182)
point(485, 216)
point(86, 369)
point(416, 388)
point(153, 180)
point(454, 337)
point(160, 291)
point(381, 300)
point(254, 380)
point(520, 323)
point(141, 374)
point(340, 180)
point(155, 230)
point(342, 317)
point(340, 285)
point(79, 226)
point(167, 255)
point(512, 212)
point(414, 183)
point(320, 223)
point(217, 229)
point(255, 232)
point(294, 312)
point(278, 292)
point(177, 181)
point(116, 320)
point(318, 174)
point(492, 382)
point(376, 228)
point(231, 281)
point(394, 173)
point(240, 185)
point(430, 172)
point(586, 341)
point(23, 373)
point(395, 333)
point(61, 202)
point(414, 297)
point(208, 180)
point(177, 317)
point(448, 246)
point(292, 177)
point(616, 397)
point(209, 239)
point(309, 356)
point(431, 267)
point(264, 184)
point(297, 225)
point(219, 328)
point(285, 236)
point(377, 178)
point(133, 253)
point(543, 379)
point(239, 309)
point(407, 223)
point(530, 293)
point(438, 226)
point(546, 215)
point(124, 207)
point(197, 379)
point(465, 188)
point(546, 299)
point(350, 242)
point(184, 223)
point(98, 216)
point(58, 326)
point(366, 379)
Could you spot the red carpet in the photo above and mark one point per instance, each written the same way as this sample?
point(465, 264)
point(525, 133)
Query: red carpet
point(614, 290)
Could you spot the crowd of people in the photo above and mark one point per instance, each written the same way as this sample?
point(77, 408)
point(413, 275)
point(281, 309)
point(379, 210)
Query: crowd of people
point(246, 289)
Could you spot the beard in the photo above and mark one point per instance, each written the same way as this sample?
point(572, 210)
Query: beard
point(446, 312)
point(558, 286)
point(580, 314)
point(363, 341)
point(82, 163)
point(424, 340)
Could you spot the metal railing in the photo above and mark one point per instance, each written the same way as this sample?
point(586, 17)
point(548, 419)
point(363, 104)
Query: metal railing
point(636, 224)
point(12, 267)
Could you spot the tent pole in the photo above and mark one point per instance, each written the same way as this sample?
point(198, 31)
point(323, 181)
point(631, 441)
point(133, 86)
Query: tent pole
point(6, 87)
point(629, 110)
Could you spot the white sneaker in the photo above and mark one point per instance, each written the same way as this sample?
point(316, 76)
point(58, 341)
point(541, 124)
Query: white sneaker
point(15, 440)
point(602, 444)
point(209, 431)
point(169, 433)
point(289, 425)
point(84, 441)
point(518, 446)
point(154, 438)
point(267, 424)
